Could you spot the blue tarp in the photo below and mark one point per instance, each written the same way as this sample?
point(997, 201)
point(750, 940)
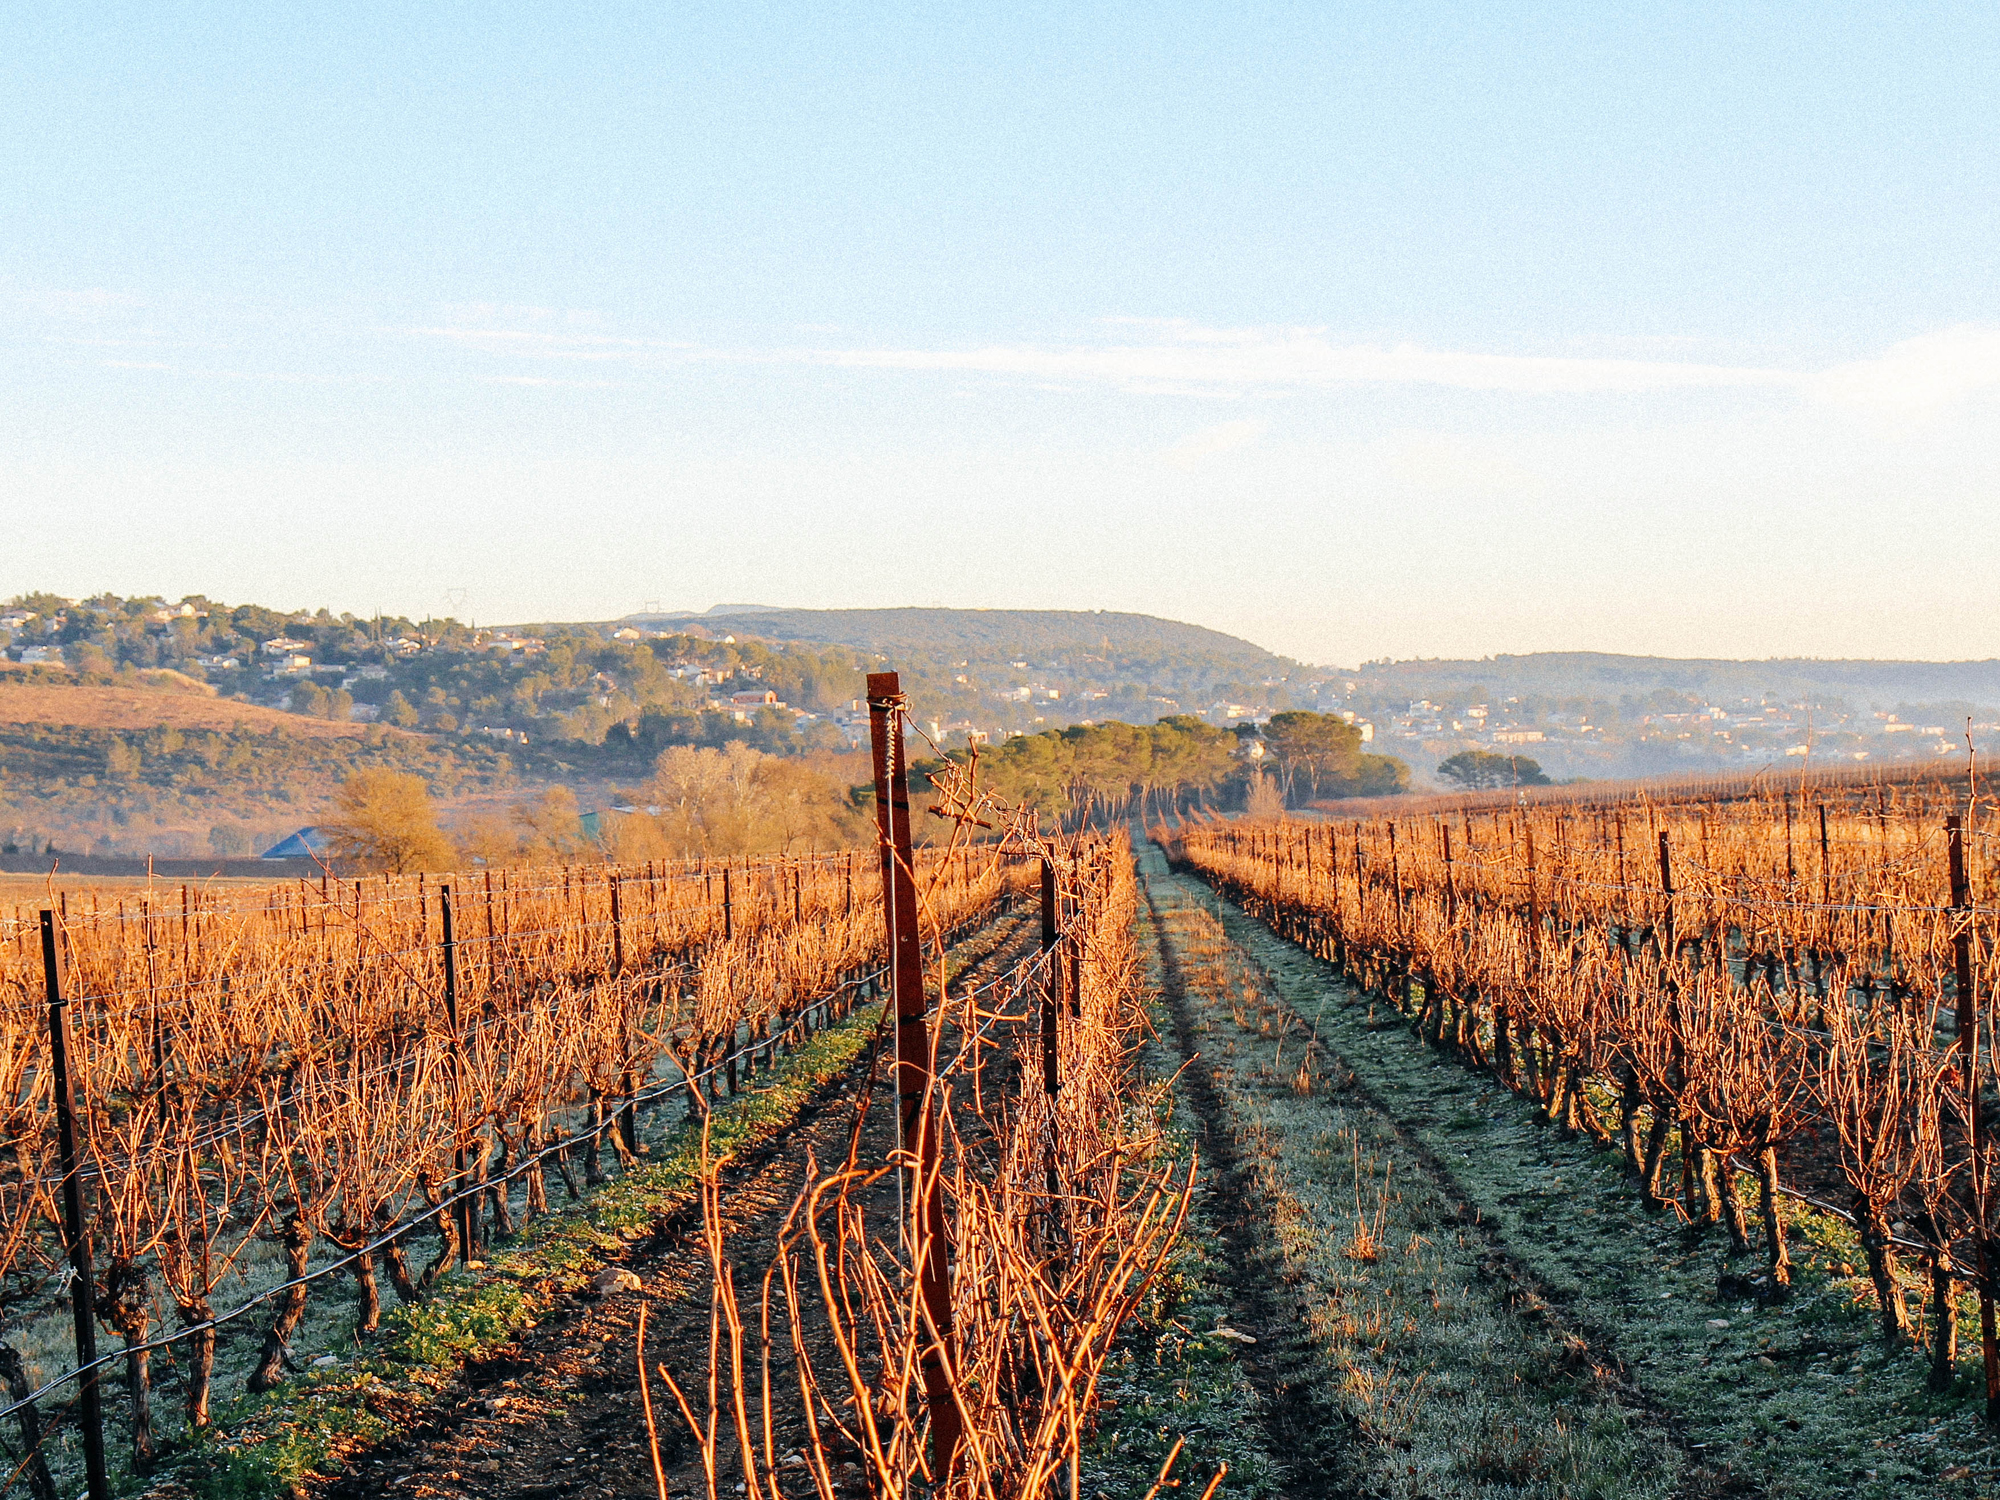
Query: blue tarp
point(302, 845)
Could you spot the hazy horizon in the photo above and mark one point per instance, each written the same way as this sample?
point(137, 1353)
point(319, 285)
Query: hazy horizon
point(722, 612)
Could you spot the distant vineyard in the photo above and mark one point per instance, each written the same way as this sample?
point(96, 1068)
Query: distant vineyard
point(1786, 987)
point(1899, 789)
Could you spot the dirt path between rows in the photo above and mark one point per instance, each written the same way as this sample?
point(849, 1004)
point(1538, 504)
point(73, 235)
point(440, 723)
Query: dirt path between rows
point(556, 1414)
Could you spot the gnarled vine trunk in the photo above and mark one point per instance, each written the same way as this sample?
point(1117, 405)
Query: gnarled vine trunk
point(14, 1379)
point(125, 1305)
point(297, 1238)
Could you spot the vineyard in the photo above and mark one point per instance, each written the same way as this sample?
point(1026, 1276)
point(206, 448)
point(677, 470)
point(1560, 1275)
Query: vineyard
point(1766, 1007)
point(227, 1111)
point(1022, 1164)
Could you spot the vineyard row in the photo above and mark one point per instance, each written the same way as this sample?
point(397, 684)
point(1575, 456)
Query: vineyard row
point(333, 1067)
point(1788, 992)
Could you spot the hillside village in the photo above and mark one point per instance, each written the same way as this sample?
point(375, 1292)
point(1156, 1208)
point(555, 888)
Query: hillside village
point(568, 700)
point(639, 685)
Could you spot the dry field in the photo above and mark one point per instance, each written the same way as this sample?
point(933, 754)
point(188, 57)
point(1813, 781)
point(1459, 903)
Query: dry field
point(118, 708)
point(26, 890)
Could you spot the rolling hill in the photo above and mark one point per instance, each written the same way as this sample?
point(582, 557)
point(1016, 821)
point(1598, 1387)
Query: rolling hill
point(959, 664)
point(996, 635)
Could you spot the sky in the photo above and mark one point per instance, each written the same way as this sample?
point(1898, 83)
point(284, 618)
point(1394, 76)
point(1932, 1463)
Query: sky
point(1361, 331)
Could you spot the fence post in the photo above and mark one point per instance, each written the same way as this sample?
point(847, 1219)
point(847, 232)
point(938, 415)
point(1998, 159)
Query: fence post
point(84, 1282)
point(617, 931)
point(1051, 991)
point(1076, 977)
point(1669, 946)
point(913, 1054)
point(468, 1207)
point(728, 910)
point(628, 1113)
point(1450, 881)
point(1967, 1042)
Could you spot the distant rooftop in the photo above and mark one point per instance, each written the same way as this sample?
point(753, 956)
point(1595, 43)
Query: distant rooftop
point(304, 844)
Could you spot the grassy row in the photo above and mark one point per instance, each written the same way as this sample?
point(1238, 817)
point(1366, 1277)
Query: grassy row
point(1171, 1378)
point(1436, 1379)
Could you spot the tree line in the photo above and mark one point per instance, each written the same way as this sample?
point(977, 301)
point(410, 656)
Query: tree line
point(1098, 772)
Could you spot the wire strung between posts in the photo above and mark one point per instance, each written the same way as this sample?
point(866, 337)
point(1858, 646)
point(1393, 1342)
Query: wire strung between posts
point(632, 875)
point(432, 1210)
point(350, 963)
point(430, 1213)
point(1516, 872)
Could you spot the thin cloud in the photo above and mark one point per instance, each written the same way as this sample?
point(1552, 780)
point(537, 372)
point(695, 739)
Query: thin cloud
point(1191, 358)
point(1919, 377)
point(1915, 378)
point(1180, 359)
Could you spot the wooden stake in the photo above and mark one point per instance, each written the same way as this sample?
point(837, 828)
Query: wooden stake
point(913, 1057)
point(468, 1207)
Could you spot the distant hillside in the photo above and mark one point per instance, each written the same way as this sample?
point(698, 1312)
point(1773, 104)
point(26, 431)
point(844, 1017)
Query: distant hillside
point(1039, 636)
point(996, 670)
point(174, 769)
point(1599, 675)
point(142, 725)
point(1592, 714)
point(146, 708)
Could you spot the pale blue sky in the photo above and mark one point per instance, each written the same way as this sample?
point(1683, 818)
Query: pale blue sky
point(1383, 330)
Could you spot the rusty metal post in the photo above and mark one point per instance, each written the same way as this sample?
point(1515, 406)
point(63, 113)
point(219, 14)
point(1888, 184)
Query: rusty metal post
point(1450, 882)
point(628, 1114)
point(728, 910)
point(76, 1234)
point(1052, 988)
point(1961, 945)
point(1669, 945)
point(1076, 977)
point(913, 1055)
